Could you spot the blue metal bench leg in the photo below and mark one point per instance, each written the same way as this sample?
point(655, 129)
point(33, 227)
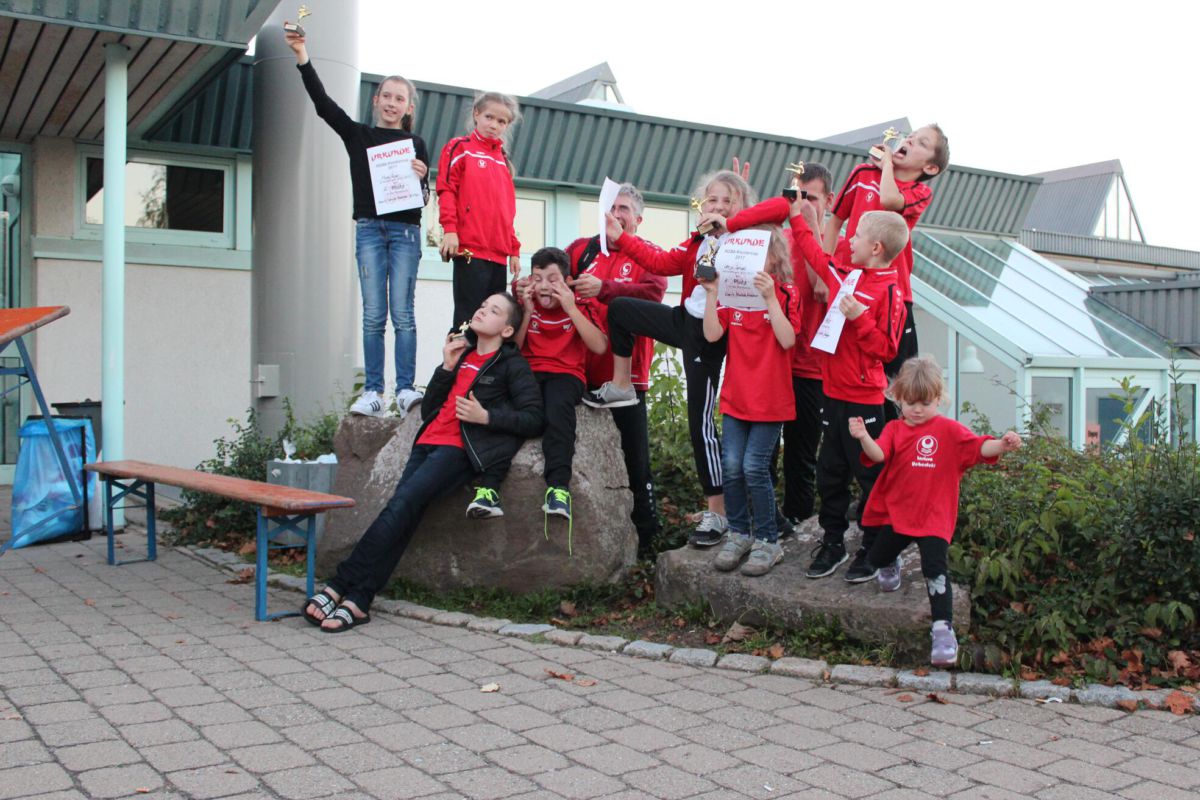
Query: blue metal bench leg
point(303, 524)
point(135, 488)
point(108, 520)
point(151, 527)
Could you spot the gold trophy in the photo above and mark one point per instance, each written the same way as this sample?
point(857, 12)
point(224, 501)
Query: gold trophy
point(793, 188)
point(707, 228)
point(877, 152)
point(706, 267)
point(294, 27)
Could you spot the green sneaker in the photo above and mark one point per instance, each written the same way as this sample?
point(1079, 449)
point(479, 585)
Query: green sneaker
point(485, 505)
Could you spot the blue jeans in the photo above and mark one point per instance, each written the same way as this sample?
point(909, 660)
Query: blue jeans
point(388, 255)
point(432, 471)
point(746, 462)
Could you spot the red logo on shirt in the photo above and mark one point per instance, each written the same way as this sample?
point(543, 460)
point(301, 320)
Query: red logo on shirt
point(482, 164)
point(737, 317)
point(926, 446)
point(626, 269)
point(534, 324)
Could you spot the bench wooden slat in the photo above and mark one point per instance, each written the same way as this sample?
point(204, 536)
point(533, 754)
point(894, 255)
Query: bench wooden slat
point(286, 499)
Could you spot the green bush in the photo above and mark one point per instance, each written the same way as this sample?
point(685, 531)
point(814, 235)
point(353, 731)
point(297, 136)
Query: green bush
point(209, 518)
point(1084, 563)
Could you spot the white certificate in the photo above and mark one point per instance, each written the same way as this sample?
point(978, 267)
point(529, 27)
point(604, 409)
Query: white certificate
point(608, 196)
point(831, 327)
point(742, 254)
point(396, 186)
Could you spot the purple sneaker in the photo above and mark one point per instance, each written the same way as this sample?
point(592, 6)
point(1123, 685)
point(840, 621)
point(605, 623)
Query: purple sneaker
point(945, 645)
point(889, 577)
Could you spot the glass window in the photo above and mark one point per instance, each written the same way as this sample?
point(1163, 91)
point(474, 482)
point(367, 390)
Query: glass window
point(162, 196)
point(1053, 395)
point(1035, 304)
point(1185, 414)
point(987, 384)
point(1105, 414)
point(530, 223)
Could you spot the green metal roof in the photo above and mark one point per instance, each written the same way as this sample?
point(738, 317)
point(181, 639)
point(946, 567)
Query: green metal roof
point(561, 144)
point(232, 23)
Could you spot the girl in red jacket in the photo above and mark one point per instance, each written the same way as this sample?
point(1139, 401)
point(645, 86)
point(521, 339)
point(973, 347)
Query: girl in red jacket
point(477, 205)
point(723, 195)
point(756, 399)
point(915, 498)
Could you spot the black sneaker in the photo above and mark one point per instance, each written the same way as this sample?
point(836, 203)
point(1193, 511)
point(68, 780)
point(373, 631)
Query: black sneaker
point(710, 531)
point(860, 570)
point(787, 528)
point(827, 557)
point(558, 501)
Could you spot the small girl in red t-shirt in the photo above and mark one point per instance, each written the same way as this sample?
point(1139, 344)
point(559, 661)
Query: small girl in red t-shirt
point(915, 498)
point(756, 399)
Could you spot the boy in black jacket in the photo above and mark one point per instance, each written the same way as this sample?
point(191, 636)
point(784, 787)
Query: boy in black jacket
point(478, 408)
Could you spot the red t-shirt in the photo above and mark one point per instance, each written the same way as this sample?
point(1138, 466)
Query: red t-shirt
point(806, 359)
point(917, 491)
point(445, 428)
point(552, 344)
point(860, 194)
point(758, 370)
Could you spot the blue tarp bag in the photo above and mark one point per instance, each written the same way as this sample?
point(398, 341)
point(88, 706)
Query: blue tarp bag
point(42, 500)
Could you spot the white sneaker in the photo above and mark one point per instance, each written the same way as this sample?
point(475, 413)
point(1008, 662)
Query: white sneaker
point(407, 400)
point(369, 404)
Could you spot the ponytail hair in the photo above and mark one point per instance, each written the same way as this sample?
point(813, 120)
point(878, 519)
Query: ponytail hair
point(779, 255)
point(406, 121)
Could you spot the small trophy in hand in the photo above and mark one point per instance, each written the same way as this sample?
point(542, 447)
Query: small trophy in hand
point(706, 266)
point(880, 150)
point(706, 228)
point(294, 27)
point(793, 189)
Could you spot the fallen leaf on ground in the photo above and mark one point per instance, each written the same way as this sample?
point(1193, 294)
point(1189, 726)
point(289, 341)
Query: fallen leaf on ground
point(89, 602)
point(921, 672)
point(1178, 703)
point(935, 697)
point(1127, 705)
point(905, 698)
point(247, 548)
point(558, 621)
point(712, 638)
point(585, 682)
point(490, 687)
point(142, 790)
point(1029, 674)
point(562, 676)
point(567, 608)
point(39, 569)
point(245, 576)
point(679, 622)
point(737, 632)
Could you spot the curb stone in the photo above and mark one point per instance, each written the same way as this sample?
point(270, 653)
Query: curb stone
point(963, 683)
point(643, 649)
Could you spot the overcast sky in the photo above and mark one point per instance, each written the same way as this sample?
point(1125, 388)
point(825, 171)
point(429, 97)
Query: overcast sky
point(1018, 87)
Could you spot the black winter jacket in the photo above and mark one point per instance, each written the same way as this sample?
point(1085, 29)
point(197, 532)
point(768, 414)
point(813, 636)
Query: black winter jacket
point(505, 386)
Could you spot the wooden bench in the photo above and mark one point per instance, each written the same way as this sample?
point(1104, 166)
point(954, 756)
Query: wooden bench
point(280, 509)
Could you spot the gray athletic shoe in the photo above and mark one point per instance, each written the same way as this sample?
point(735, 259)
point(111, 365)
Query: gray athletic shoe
point(763, 556)
point(609, 395)
point(888, 577)
point(710, 531)
point(733, 551)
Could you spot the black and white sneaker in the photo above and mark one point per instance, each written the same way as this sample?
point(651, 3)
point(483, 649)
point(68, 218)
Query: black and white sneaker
point(710, 531)
point(860, 570)
point(369, 404)
point(609, 395)
point(827, 557)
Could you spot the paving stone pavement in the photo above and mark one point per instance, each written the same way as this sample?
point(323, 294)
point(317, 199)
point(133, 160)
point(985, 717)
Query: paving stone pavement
point(153, 680)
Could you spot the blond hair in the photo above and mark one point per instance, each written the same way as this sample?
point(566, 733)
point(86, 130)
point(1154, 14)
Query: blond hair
point(484, 99)
point(918, 381)
point(736, 183)
point(779, 255)
point(886, 227)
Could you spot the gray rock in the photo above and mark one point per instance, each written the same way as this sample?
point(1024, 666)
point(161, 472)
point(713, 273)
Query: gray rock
point(862, 676)
point(1034, 690)
point(1095, 694)
point(449, 551)
point(800, 668)
point(785, 598)
point(610, 643)
point(525, 630)
point(455, 619)
point(642, 649)
point(489, 624)
point(744, 663)
point(694, 657)
point(933, 682)
point(981, 683)
point(567, 638)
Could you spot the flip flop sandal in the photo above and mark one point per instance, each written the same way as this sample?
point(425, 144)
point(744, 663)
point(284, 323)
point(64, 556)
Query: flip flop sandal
point(325, 603)
point(348, 620)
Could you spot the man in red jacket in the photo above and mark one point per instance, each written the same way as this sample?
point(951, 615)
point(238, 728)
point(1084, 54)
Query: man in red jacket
point(605, 277)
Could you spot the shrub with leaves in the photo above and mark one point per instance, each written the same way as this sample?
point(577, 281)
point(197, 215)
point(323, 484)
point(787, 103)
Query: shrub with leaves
point(244, 454)
point(1083, 563)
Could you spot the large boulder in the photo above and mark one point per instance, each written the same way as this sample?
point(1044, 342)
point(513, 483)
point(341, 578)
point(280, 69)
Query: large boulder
point(787, 599)
point(450, 551)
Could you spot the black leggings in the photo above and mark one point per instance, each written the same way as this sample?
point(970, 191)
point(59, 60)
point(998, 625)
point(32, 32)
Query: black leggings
point(838, 464)
point(560, 394)
point(628, 318)
point(934, 566)
point(474, 283)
